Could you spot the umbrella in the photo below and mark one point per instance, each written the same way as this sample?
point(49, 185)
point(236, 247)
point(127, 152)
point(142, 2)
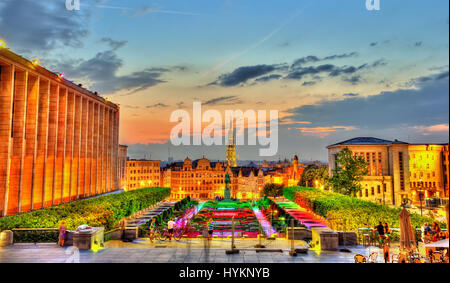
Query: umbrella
point(446, 212)
point(438, 244)
point(407, 236)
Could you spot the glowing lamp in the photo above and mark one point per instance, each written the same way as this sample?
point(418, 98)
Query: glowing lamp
point(61, 75)
point(2, 44)
point(36, 62)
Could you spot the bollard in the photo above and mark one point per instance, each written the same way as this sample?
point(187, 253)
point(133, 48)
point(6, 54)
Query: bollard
point(260, 246)
point(292, 252)
point(233, 248)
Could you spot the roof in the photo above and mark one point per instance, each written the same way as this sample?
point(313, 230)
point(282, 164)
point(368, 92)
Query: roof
point(367, 141)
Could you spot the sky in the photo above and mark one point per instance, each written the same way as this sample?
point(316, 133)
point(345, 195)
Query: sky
point(333, 69)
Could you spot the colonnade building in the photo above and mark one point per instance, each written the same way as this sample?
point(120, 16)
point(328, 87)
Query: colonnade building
point(58, 141)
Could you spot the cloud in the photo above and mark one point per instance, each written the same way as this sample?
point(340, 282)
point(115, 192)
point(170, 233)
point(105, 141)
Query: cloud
point(424, 104)
point(322, 132)
point(243, 74)
point(225, 100)
point(351, 94)
point(269, 78)
point(41, 25)
point(113, 44)
point(314, 59)
point(298, 70)
point(309, 83)
point(428, 130)
point(354, 80)
point(100, 72)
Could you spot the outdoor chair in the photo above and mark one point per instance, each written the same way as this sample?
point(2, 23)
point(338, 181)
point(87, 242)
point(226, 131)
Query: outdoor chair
point(373, 257)
point(395, 259)
point(366, 240)
point(359, 258)
point(438, 257)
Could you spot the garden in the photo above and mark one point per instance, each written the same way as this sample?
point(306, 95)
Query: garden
point(104, 211)
point(222, 213)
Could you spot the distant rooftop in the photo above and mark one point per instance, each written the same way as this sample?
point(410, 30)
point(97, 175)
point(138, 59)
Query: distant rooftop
point(368, 141)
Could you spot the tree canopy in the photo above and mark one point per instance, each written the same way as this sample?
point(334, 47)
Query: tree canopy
point(348, 173)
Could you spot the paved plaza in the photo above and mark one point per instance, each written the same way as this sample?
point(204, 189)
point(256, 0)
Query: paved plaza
point(194, 251)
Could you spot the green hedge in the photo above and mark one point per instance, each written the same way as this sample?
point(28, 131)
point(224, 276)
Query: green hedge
point(350, 213)
point(103, 211)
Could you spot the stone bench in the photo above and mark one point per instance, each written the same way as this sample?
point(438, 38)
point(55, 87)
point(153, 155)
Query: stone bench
point(89, 239)
point(325, 238)
point(299, 233)
point(347, 238)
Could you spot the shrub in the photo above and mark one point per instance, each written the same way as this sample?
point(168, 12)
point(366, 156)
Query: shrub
point(103, 211)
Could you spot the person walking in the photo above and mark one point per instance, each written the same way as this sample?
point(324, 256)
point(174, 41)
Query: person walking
point(170, 225)
point(210, 226)
point(152, 229)
point(380, 230)
point(62, 233)
point(123, 226)
point(386, 253)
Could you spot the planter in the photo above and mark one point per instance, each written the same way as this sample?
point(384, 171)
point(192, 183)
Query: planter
point(6, 238)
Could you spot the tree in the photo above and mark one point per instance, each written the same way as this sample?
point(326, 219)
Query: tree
point(314, 173)
point(348, 173)
point(273, 190)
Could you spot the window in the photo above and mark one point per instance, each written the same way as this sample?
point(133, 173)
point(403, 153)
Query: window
point(379, 189)
point(373, 190)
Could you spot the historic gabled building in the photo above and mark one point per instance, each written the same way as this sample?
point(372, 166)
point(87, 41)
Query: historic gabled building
point(398, 170)
point(199, 179)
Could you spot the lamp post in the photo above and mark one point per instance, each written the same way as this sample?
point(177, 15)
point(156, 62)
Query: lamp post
point(382, 185)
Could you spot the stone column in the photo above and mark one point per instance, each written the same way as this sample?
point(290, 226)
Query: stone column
point(75, 172)
point(28, 173)
point(60, 147)
point(68, 153)
point(41, 147)
point(6, 98)
point(18, 141)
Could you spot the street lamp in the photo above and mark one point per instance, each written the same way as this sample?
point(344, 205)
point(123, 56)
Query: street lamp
point(382, 184)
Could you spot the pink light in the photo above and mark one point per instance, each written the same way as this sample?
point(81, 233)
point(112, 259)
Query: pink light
point(61, 75)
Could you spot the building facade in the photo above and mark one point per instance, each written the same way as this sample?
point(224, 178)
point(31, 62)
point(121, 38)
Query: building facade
point(200, 179)
point(398, 170)
point(58, 141)
point(123, 149)
point(143, 174)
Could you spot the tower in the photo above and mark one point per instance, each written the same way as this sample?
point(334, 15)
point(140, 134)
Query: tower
point(231, 147)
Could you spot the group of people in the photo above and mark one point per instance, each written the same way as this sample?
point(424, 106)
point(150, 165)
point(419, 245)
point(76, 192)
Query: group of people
point(433, 233)
point(384, 233)
point(171, 224)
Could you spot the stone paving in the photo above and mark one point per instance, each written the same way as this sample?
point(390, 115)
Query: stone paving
point(142, 251)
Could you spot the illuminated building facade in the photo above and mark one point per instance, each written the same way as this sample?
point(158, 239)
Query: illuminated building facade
point(200, 179)
point(143, 174)
point(251, 182)
point(398, 170)
point(58, 141)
